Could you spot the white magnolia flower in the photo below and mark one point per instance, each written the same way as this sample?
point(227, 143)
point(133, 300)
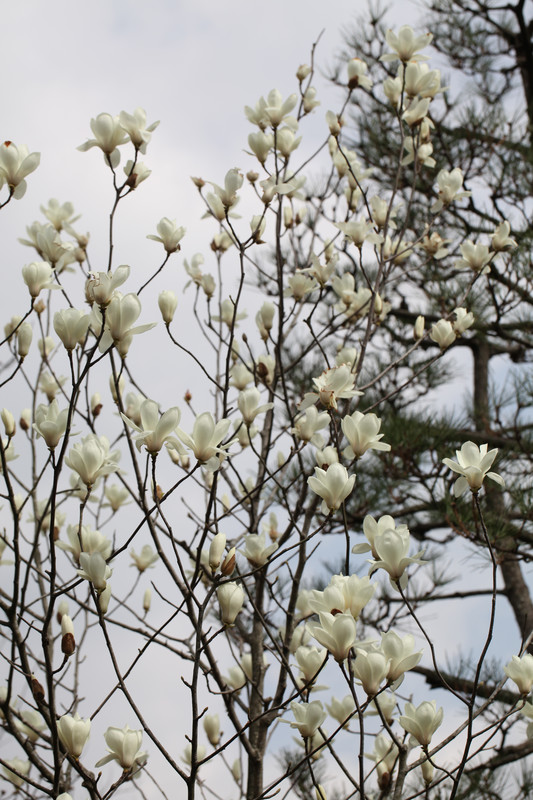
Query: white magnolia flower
point(169, 234)
point(332, 485)
point(91, 458)
point(231, 598)
point(145, 559)
point(101, 286)
point(334, 384)
point(73, 733)
point(475, 257)
point(362, 432)
point(423, 721)
point(108, 136)
point(256, 550)
point(406, 45)
point(205, 440)
point(135, 126)
point(86, 540)
point(335, 632)
point(95, 570)
point(123, 745)
point(15, 164)
point(472, 465)
point(442, 333)
point(154, 430)
point(520, 670)
point(308, 717)
point(71, 326)
point(38, 276)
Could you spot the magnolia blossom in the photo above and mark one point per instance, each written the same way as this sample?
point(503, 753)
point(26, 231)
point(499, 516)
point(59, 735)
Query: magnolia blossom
point(341, 710)
point(472, 465)
point(167, 302)
point(332, 485)
point(16, 162)
point(310, 661)
point(474, 256)
point(333, 384)
point(423, 721)
point(85, 540)
point(123, 745)
point(392, 548)
point(116, 496)
point(212, 728)
point(442, 333)
point(19, 768)
point(520, 670)
point(308, 717)
point(135, 125)
point(361, 430)
point(400, 653)
point(146, 558)
point(344, 593)
point(272, 111)
point(231, 598)
point(463, 320)
point(385, 755)
point(73, 732)
point(300, 284)
point(206, 438)
point(95, 570)
point(71, 326)
point(38, 276)
point(121, 313)
point(216, 551)
point(308, 424)
point(31, 724)
point(256, 550)
point(359, 232)
point(248, 404)
point(155, 430)
point(450, 184)
point(91, 458)
point(406, 45)
point(371, 668)
point(108, 136)
point(500, 238)
point(101, 286)
point(357, 74)
point(169, 234)
point(336, 632)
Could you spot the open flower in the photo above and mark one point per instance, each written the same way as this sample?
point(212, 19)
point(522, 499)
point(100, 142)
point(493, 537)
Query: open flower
point(362, 432)
point(91, 458)
point(50, 423)
point(73, 732)
point(332, 485)
point(109, 134)
point(422, 722)
point(169, 234)
point(308, 717)
point(206, 438)
point(472, 465)
point(406, 45)
point(256, 550)
point(146, 558)
point(392, 548)
point(15, 164)
point(123, 745)
point(520, 670)
point(155, 430)
point(336, 632)
point(95, 570)
point(334, 384)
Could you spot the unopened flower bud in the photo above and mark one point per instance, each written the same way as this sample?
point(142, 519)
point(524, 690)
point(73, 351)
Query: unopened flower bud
point(216, 550)
point(9, 422)
point(104, 598)
point(112, 386)
point(231, 599)
point(252, 176)
point(24, 337)
point(236, 770)
point(198, 182)
point(320, 793)
point(39, 306)
point(68, 643)
point(428, 771)
point(168, 302)
point(147, 600)
point(96, 404)
point(212, 728)
point(228, 565)
point(25, 419)
point(303, 71)
point(37, 690)
point(62, 609)
point(418, 331)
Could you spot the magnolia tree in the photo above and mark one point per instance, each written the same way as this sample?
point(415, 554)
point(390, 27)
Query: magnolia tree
point(238, 667)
